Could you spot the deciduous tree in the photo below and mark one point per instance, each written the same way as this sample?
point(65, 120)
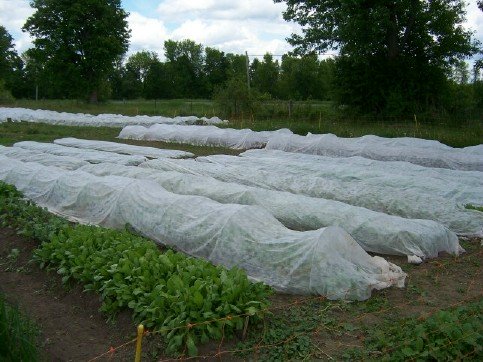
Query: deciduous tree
point(186, 59)
point(78, 41)
point(393, 55)
point(10, 63)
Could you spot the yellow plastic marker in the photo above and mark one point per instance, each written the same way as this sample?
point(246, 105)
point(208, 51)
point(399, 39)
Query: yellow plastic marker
point(139, 341)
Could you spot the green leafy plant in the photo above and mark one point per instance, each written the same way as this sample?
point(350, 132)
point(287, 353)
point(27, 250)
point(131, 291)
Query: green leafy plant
point(285, 337)
point(453, 334)
point(187, 300)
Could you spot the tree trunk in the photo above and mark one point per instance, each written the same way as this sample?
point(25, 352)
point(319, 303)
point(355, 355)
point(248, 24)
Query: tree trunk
point(392, 34)
point(93, 97)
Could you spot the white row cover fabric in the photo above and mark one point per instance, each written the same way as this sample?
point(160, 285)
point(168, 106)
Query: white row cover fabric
point(401, 200)
point(101, 120)
point(374, 231)
point(325, 261)
point(450, 193)
point(122, 148)
point(91, 156)
point(459, 187)
point(65, 162)
point(421, 152)
point(378, 172)
point(239, 139)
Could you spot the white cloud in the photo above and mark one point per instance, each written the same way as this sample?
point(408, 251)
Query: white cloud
point(146, 33)
point(13, 14)
point(256, 26)
point(474, 20)
point(221, 9)
point(249, 35)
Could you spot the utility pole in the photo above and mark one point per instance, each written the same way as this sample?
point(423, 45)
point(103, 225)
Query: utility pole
point(248, 70)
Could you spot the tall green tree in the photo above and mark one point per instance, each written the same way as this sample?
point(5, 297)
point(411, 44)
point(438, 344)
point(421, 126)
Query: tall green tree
point(216, 68)
point(136, 70)
point(265, 74)
point(78, 41)
point(186, 59)
point(394, 55)
point(11, 64)
point(237, 67)
point(305, 77)
point(140, 62)
point(160, 82)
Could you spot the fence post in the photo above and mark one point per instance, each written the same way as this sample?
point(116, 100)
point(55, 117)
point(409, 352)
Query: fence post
point(139, 342)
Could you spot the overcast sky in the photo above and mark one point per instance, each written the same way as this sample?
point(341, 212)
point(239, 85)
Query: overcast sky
point(255, 26)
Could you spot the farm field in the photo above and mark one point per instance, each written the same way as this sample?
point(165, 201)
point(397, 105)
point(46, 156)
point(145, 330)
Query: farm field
point(72, 326)
point(440, 303)
point(312, 116)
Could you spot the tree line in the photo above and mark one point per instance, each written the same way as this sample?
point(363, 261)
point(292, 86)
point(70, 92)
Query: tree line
point(192, 71)
point(394, 57)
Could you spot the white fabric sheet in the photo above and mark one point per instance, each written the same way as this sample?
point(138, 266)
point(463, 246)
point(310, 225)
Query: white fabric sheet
point(325, 261)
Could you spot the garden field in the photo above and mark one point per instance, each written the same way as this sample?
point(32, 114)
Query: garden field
point(368, 248)
point(307, 116)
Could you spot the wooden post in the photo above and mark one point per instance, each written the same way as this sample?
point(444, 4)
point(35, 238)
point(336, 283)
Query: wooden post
point(139, 342)
point(248, 70)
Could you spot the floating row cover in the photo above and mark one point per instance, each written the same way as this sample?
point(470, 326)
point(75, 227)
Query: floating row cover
point(239, 139)
point(455, 186)
point(91, 156)
point(371, 170)
point(101, 120)
point(401, 200)
point(325, 261)
point(374, 231)
point(122, 148)
point(65, 162)
point(421, 152)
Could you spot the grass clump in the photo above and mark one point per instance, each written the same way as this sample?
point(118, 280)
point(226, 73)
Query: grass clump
point(17, 335)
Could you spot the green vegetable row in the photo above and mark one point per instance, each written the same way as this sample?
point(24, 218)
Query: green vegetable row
point(187, 300)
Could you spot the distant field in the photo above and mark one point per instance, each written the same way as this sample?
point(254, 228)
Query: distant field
point(308, 116)
point(16, 132)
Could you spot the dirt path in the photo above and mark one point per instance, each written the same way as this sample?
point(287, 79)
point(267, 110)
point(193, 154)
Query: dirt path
point(72, 328)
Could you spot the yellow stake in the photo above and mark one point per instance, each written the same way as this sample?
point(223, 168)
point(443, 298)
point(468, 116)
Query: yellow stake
point(139, 341)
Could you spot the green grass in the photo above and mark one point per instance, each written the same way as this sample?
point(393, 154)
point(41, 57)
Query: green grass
point(17, 335)
point(460, 135)
point(11, 132)
point(473, 207)
point(169, 108)
point(451, 334)
point(308, 116)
